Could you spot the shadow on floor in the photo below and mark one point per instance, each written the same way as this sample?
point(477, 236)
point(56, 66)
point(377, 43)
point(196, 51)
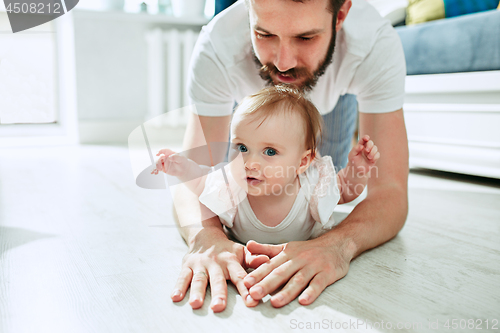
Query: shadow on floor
point(475, 180)
point(13, 237)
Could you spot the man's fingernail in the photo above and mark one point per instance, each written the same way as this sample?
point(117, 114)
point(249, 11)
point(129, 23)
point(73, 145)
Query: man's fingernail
point(176, 293)
point(218, 301)
point(250, 280)
point(305, 297)
point(279, 298)
point(195, 300)
point(258, 290)
point(249, 299)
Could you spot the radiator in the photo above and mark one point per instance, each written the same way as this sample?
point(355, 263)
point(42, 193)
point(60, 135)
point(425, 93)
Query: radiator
point(169, 52)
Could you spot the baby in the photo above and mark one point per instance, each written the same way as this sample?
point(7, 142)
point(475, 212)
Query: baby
point(277, 188)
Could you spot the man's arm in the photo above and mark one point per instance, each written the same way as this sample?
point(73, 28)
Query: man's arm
point(211, 257)
point(313, 265)
point(387, 186)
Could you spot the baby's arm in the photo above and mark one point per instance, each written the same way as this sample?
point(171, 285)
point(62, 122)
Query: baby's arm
point(352, 179)
point(186, 170)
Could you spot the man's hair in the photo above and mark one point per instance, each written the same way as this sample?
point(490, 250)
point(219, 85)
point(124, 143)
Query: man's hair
point(334, 6)
point(285, 99)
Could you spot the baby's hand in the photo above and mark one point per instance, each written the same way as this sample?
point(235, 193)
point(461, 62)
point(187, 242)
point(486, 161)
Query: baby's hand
point(364, 155)
point(170, 163)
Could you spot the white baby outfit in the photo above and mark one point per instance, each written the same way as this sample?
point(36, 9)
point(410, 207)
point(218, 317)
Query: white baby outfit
point(310, 216)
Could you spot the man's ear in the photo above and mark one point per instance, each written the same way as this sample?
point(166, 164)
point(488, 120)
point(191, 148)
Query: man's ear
point(341, 16)
point(305, 161)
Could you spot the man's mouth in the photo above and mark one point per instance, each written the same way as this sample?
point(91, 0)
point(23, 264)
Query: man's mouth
point(285, 78)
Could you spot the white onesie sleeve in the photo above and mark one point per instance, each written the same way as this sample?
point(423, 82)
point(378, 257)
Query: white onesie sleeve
point(222, 194)
point(324, 193)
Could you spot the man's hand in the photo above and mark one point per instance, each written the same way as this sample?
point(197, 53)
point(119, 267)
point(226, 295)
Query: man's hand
point(311, 265)
point(214, 259)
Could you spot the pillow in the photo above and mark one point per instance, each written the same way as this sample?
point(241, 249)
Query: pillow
point(420, 11)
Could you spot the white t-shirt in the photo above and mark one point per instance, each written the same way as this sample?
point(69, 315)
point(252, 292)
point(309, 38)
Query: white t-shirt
point(310, 216)
point(368, 61)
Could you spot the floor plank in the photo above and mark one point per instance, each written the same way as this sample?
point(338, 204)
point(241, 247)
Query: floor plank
point(83, 249)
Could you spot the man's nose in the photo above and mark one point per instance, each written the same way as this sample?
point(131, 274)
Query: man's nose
point(285, 58)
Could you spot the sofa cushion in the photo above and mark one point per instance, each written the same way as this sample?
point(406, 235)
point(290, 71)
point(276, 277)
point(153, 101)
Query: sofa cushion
point(461, 44)
point(420, 11)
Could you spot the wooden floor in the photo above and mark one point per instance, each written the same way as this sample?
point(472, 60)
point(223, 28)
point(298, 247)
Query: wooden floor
point(83, 249)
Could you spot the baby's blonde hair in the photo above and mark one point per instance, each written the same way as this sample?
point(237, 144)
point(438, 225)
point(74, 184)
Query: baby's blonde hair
point(285, 98)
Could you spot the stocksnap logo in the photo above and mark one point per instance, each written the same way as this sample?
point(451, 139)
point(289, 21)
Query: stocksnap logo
point(26, 14)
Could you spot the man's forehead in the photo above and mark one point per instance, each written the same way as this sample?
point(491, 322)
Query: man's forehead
point(268, 4)
point(298, 18)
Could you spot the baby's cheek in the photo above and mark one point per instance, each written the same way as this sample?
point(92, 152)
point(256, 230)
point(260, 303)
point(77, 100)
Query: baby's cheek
point(282, 173)
point(269, 171)
point(238, 171)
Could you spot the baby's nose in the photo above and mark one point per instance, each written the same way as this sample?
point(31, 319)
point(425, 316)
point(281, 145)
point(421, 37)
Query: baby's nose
point(252, 165)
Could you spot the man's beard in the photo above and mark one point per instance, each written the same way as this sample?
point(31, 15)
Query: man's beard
point(268, 70)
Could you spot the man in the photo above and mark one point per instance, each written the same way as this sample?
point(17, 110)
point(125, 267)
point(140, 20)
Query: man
point(293, 42)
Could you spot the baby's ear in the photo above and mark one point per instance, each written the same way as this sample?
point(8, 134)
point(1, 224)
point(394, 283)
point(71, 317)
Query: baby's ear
point(305, 161)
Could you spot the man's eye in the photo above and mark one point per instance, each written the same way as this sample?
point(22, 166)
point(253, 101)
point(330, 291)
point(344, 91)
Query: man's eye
point(262, 36)
point(270, 152)
point(242, 148)
point(306, 38)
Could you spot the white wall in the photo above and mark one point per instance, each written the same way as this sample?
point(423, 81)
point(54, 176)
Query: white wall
point(111, 62)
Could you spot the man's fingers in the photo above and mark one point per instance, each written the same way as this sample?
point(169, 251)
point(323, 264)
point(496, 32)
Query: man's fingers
point(265, 249)
point(263, 270)
point(280, 274)
point(218, 287)
point(198, 288)
point(316, 287)
point(254, 261)
point(182, 284)
point(292, 289)
point(237, 274)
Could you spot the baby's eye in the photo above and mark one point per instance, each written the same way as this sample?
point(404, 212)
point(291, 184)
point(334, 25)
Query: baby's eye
point(270, 152)
point(242, 148)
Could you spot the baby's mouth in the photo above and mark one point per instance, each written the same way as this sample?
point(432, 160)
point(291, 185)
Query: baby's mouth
point(253, 181)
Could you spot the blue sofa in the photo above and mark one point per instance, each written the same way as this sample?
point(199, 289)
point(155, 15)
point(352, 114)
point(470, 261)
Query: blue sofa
point(460, 44)
point(452, 100)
